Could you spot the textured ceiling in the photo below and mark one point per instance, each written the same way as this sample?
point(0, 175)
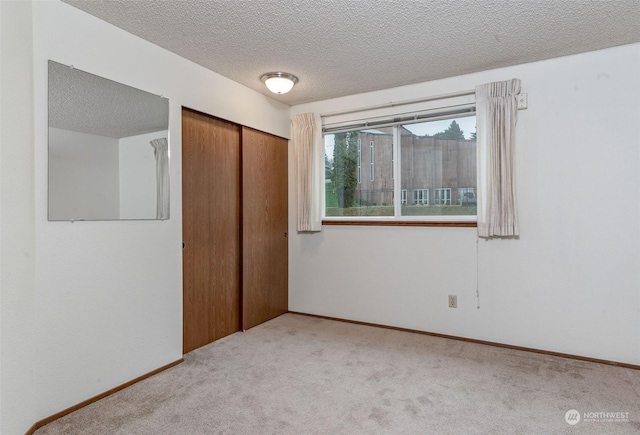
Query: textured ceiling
point(344, 47)
point(83, 102)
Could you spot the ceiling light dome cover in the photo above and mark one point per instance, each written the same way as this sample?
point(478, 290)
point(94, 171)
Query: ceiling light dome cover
point(279, 82)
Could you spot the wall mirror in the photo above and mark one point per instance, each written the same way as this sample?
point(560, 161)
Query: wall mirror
point(108, 149)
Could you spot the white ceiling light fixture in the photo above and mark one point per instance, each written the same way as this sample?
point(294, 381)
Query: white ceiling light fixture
point(279, 82)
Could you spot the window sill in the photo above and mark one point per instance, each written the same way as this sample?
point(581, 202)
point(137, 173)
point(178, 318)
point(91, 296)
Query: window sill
point(399, 223)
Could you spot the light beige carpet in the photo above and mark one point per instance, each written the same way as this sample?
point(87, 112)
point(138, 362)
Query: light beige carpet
point(303, 375)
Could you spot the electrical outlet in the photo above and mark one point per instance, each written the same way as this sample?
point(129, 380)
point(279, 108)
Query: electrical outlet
point(453, 301)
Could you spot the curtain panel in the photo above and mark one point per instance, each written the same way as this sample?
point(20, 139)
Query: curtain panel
point(306, 134)
point(161, 151)
point(496, 116)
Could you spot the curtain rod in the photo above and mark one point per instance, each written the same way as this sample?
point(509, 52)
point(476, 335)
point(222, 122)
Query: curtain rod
point(455, 110)
point(449, 112)
point(401, 103)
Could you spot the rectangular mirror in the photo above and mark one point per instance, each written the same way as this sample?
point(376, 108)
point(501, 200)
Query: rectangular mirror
point(108, 149)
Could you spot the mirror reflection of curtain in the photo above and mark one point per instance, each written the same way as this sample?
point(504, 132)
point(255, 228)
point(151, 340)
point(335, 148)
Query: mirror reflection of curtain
point(161, 151)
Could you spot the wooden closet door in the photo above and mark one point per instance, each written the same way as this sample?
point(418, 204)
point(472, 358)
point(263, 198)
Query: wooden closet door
point(264, 227)
point(211, 217)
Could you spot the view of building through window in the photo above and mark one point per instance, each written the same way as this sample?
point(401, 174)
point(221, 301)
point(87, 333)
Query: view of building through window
point(437, 164)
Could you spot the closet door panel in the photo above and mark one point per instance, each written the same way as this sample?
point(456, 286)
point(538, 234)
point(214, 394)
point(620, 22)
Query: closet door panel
point(211, 217)
point(264, 227)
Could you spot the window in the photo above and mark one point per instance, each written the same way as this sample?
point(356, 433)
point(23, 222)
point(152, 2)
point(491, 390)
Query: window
point(421, 196)
point(431, 158)
point(467, 196)
point(442, 196)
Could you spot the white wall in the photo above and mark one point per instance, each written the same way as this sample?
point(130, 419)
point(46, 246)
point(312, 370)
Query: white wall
point(570, 284)
point(17, 231)
point(83, 176)
point(109, 294)
point(138, 194)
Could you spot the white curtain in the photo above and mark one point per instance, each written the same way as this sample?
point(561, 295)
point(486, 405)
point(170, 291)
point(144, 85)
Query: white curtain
point(161, 151)
point(306, 133)
point(496, 115)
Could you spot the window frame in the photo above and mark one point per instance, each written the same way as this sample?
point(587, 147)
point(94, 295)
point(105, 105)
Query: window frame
point(397, 218)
